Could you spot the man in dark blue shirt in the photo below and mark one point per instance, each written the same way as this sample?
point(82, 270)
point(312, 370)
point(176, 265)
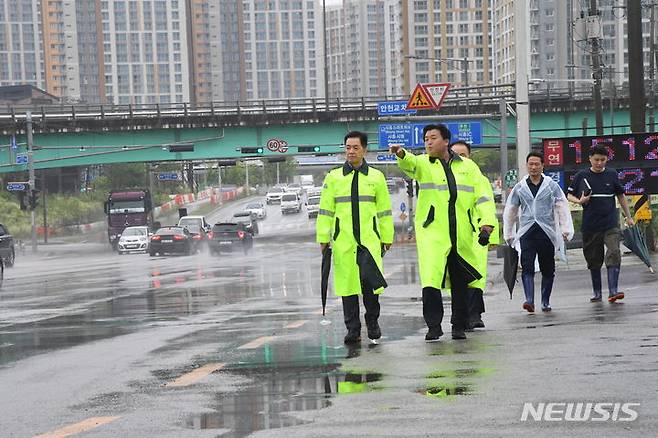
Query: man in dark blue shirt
point(596, 189)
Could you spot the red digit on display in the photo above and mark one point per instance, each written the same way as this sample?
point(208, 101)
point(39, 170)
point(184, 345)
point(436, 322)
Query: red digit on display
point(579, 150)
point(597, 141)
point(653, 154)
point(630, 142)
point(633, 186)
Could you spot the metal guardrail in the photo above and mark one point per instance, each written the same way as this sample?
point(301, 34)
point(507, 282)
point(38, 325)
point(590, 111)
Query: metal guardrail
point(459, 101)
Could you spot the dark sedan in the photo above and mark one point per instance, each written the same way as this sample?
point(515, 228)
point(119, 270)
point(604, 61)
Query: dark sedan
point(228, 236)
point(172, 240)
point(7, 250)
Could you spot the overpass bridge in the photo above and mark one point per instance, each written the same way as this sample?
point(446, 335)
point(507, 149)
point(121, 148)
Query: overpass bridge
point(82, 135)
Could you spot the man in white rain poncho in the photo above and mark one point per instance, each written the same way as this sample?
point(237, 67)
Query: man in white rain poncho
point(544, 223)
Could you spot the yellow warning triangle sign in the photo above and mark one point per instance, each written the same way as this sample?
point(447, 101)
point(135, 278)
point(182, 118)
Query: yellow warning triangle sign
point(420, 99)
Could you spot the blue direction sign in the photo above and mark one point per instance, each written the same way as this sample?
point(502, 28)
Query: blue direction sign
point(168, 176)
point(21, 159)
point(393, 108)
point(17, 186)
point(410, 135)
point(403, 207)
point(385, 157)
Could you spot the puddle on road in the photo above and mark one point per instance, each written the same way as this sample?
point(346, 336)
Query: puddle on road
point(447, 391)
point(270, 403)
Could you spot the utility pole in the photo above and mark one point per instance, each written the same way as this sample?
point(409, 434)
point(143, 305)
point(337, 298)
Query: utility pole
point(593, 32)
point(465, 73)
point(504, 165)
point(45, 211)
point(635, 65)
point(326, 55)
point(571, 66)
point(522, 102)
point(219, 183)
point(149, 167)
point(652, 64)
point(32, 178)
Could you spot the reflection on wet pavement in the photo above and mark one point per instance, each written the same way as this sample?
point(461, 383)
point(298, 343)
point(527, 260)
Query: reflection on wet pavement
point(271, 401)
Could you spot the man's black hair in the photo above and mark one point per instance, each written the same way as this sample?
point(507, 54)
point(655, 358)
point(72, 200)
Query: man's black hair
point(443, 129)
point(362, 136)
point(465, 143)
point(535, 154)
point(598, 150)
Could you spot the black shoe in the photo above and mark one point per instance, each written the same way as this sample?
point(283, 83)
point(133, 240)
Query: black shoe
point(374, 332)
point(477, 323)
point(352, 337)
point(433, 334)
point(458, 333)
point(468, 327)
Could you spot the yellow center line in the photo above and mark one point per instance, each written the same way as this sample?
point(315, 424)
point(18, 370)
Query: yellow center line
point(197, 374)
point(295, 324)
point(256, 343)
point(73, 429)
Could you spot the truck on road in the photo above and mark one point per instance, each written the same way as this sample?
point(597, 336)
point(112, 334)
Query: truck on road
point(126, 208)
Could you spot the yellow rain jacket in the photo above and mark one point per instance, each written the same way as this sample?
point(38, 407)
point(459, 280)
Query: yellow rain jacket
point(335, 224)
point(448, 191)
point(482, 252)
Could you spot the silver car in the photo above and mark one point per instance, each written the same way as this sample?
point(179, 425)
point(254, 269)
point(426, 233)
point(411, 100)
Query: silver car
point(134, 239)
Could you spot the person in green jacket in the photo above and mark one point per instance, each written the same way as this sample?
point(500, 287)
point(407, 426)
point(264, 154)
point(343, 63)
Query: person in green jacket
point(355, 210)
point(450, 187)
point(476, 293)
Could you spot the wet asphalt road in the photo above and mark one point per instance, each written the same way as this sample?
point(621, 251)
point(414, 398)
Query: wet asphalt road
point(233, 345)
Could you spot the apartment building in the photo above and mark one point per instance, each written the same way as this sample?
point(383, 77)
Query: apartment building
point(21, 51)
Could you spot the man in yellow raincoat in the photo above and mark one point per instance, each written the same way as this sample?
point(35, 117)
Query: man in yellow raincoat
point(476, 297)
point(450, 186)
point(355, 215)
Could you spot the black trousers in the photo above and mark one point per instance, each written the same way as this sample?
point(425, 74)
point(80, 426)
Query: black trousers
point(475, 303)
point(351, 312)
point(433, 307)
point(539, 246)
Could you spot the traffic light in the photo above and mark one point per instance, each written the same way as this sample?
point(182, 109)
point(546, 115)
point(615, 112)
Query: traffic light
point(251, 150)
point(410, 187)
point(23, 200)
point(34, 199)
point(308, 148)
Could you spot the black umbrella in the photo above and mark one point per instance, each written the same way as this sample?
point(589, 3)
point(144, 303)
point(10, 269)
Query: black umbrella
point(371, 276)
point(324, 283)
point(510, 267)
point(635, 241)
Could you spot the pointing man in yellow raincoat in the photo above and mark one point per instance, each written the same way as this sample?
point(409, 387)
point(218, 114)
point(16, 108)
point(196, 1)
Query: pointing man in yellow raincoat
point(355, 217)
point(450, 186)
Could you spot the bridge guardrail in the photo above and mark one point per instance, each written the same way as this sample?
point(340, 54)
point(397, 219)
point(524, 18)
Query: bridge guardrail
point(459, 100)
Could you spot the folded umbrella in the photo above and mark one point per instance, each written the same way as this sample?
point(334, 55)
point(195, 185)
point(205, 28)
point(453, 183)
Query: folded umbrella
point(510, 267)
point(324, 282)
point(635, 241)
point(371, 276)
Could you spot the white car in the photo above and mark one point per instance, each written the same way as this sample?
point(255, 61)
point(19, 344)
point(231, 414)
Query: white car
point(274, 196)
point(133, 239)
point(290, 202)
point(313, 206)
point(294, 188)
point(199, 221)
point(258, 209)
point(313, 191)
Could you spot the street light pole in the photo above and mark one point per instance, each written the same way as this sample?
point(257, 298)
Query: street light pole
point(522, 101)
point(326, 55)
point(32, 178)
